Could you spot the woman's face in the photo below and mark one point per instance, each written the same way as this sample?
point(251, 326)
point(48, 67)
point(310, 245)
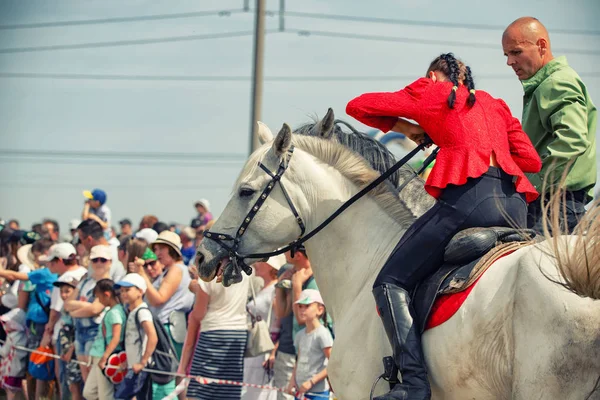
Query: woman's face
point(101, 266)
point(263, 270)
point(162, 252)
point(153, 268)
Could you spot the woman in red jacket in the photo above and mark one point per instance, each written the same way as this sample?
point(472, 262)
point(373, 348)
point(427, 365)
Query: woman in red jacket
point(477, 178)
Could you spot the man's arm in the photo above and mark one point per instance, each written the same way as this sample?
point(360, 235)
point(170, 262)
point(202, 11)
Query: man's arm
point(564, 113)
point(49, 329)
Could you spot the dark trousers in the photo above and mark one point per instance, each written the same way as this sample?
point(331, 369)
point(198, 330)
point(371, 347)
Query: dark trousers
point(573, 203)
point(490, 200)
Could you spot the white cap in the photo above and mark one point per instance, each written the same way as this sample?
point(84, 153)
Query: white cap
point(61, 250)
point(309, 296)
point(74, 223)
point(276, 262)
point(101, 251)
point(132, 280)
point(148, 234)
point(204, 203)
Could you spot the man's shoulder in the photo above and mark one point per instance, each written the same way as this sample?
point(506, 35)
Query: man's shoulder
point(564, 77)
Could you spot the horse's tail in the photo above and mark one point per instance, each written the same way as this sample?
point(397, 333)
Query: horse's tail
point(578, 255)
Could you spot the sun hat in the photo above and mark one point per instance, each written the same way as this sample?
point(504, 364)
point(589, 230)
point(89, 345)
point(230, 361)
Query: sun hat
point(25, 256)
point(132, 280)
point(170, 239)
point(204, 203)
point(309, 296)
point(96, 194)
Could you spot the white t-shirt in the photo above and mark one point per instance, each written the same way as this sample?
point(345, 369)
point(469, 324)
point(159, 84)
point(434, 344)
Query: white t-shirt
point(56, 303)
point(10, 298)
point(136, 340)
point(226, 307)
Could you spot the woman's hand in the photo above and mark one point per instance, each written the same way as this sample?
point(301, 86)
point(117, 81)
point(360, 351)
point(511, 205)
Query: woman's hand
point(137, 368)
point(412, 131)
point(193, 271)
point(305, 387)
point(269, 362)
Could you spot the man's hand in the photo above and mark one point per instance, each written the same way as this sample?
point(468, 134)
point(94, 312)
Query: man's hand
point(286, 275)
point(301, 276)
point(102, 362)
point(305, 387)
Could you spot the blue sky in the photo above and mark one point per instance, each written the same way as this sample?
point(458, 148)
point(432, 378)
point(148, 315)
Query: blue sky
point(190, 137)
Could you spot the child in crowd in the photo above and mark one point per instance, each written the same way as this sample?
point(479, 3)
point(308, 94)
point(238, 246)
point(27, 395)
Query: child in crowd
point(313, 344)
point(140, 343)
point(109, 339)
point(13, 362)
point(69, 372)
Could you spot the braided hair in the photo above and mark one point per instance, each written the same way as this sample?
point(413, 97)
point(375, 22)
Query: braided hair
point(457, 72)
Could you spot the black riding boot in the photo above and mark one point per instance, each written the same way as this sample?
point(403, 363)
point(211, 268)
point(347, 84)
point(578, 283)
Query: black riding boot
point(396, 313)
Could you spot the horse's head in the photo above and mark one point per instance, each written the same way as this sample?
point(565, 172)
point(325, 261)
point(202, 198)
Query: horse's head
point(255, 221)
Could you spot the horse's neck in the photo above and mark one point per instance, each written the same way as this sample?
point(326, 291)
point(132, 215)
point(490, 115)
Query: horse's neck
point(347, 255)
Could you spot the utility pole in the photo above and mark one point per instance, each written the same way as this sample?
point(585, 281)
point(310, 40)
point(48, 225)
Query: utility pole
point(257, 73)
point(281, 15)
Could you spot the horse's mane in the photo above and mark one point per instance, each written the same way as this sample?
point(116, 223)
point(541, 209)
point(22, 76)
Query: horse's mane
point(373, 151)
point(356, 169)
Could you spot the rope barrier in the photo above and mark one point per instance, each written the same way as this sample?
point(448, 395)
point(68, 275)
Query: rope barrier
point(186, 378)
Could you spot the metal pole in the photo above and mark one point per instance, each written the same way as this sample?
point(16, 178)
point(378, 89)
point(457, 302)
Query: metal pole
point(257, 72)
point(281, 14)
point(246, 5)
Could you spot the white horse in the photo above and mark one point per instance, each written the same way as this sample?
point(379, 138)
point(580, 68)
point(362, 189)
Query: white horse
point(519, 334)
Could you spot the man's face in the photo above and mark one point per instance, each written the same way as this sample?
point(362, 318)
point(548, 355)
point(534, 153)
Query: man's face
point(51, 233)
point(56, 266)
point(126, 229)
point(86, 241)
point(13, 225)
point(94, 203)
point(523, 56)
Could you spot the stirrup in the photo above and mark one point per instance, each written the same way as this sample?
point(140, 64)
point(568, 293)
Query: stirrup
point(390, 371)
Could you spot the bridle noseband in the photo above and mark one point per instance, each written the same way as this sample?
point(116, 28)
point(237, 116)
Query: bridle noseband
point(237, 259)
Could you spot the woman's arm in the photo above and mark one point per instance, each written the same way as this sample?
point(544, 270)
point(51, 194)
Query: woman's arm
point(381, 110)
point(194, 323)
point(168, 286)
point(83, 309)
point(112, 345)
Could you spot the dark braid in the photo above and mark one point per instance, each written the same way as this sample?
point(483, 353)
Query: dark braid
point(470, 83)
point(454, 70)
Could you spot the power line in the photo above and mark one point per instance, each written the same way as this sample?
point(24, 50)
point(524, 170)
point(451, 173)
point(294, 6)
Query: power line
point(123, 154)
point(144, 185)
point(116, 20)
point(335, 17)
point(136, 42)
point(410, 40)
point(441, 24)
point(236, 78)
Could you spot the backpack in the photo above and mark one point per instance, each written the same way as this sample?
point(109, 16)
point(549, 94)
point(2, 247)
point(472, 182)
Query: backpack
point(41, 364)
point(164, 357)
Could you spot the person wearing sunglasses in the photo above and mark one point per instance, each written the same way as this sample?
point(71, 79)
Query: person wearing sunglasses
point(83, 306)
point(153, 268)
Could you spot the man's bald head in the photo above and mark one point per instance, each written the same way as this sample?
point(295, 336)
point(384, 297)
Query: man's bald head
point(526, 44)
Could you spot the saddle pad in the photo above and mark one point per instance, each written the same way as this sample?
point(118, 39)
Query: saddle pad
point(446, 305)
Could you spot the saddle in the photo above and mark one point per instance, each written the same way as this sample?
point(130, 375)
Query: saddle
point(467, 256)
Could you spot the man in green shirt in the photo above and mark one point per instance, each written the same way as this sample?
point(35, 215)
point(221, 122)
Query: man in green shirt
point(559, 118)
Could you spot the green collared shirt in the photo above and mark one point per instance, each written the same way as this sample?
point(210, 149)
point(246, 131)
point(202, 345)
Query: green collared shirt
point(560, 119)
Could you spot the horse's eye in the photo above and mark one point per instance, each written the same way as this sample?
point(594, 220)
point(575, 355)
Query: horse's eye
point(246, 192)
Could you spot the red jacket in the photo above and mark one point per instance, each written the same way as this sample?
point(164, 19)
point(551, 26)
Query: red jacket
point(466, 136)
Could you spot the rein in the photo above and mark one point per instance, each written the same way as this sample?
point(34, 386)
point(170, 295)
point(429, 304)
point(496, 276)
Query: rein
point(238, 259)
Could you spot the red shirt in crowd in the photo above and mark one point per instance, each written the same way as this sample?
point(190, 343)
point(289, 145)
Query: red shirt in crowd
point(467, 136)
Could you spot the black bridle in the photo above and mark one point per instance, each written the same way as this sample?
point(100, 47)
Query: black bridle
point(237, 259)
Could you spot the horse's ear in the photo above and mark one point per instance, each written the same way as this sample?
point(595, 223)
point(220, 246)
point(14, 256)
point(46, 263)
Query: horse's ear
point(325, 126)
point(283, 140)
point(264, 133)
